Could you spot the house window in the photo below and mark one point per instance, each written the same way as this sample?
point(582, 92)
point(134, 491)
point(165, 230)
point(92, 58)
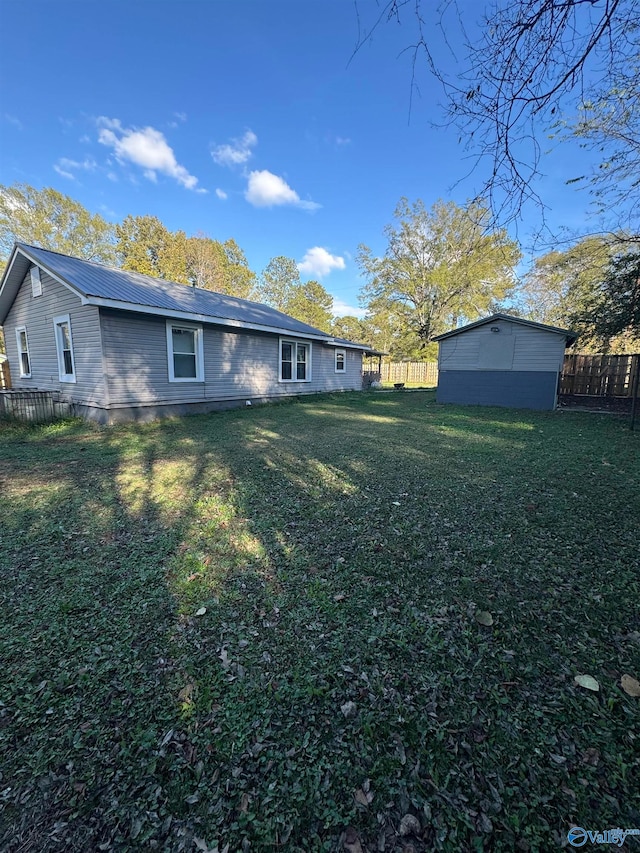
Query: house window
point(64, 347)
point(23, 352)
point(341, 361)
point(185, 352)
point(36, 283)
point(295, 361)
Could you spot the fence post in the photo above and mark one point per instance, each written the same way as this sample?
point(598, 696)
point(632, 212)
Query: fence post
point(5, 376)
point(634, 393)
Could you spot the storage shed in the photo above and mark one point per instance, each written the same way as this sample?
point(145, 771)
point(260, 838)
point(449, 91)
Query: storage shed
point(502, 361)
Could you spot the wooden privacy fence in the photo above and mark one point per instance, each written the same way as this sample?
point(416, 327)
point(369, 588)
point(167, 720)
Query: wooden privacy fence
point(599, 375)
point(413, 372)
point(5, 376)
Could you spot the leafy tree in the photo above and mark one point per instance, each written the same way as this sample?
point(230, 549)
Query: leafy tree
point(278, 281)
point(51, 220)
point(386, 330)
point(440, 266)
point(349, 328)
point(561, 283)
point(611, 316)
point(204, 262)
point(310, 303)
point(146, 246)
point(238, 278)
point(221, 267)
point(532, 63)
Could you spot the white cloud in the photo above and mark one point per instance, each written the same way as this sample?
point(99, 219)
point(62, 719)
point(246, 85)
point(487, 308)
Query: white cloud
point(342, 309)
point(264, 189)
point(67, 167)
point(14, 121)
point(236, 153)
point(221, 194)
point(318, 261)
point(147, 148)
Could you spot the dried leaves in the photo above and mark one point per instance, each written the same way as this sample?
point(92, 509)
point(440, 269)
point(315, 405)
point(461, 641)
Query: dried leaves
point(630, 685)
point(588, 682)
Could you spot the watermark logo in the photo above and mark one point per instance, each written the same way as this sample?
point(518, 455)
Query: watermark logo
point(578, 837)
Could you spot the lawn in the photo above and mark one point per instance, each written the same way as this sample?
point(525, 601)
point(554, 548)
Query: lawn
point(266, 629)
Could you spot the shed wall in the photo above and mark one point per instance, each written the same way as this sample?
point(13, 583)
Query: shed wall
point(533, 349)
point(517, 389)
point(237, 365)
point(36, 314)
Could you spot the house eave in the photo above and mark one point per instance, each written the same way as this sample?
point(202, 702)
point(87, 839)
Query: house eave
point(211, 319)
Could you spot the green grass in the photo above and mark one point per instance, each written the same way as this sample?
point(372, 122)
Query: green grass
point(342, 546)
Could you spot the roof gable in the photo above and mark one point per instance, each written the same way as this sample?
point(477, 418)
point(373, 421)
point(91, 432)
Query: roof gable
point(569, 335)
point(99, 285)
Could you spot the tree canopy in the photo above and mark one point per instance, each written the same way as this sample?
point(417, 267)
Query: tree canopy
point(54, 221)
point(440, 266)
point(146, 246)
point(610, 317)
point(280, 287)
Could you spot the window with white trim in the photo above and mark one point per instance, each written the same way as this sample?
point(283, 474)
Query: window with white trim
point(341, 361)
point(36, 283)
point(23, 352)
point(64, 347)
point(185, 352)
point(295, 361)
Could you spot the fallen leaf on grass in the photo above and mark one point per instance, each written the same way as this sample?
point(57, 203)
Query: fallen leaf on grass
point(361, 797)
point(483, 617)
point(364, 795)
point(591, 756)
point(351, 841)
point(201, 611)
point(588, 682)
point(630, 685)
point(339, 597)
point(409, 825)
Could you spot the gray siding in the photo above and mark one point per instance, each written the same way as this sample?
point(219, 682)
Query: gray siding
point(237, 365)
point(37, 315)
point(533, 349)
point(521, 389)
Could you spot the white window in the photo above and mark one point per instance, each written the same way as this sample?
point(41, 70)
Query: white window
point(295, 361)
point(36, 284)
point(185, 352)
point(23, 352)
point(341, 361)
point(64, 346)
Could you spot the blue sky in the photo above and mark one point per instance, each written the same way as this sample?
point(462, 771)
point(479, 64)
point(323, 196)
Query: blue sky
point(248, 119)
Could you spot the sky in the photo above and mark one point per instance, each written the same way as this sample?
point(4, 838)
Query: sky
point(245, 119)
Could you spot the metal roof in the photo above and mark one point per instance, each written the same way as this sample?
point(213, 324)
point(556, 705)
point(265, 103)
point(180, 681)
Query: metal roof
point(97, 284)
point(570, 336)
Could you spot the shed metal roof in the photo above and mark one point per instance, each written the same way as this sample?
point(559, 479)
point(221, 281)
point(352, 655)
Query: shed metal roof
point(104, 286)
point(570, 336)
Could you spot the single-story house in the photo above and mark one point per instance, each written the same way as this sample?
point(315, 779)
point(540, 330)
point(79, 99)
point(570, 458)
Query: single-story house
point(502, 361)
point(122, 346)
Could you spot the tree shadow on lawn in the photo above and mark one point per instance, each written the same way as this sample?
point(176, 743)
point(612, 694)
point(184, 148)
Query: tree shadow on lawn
point(332, 572)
